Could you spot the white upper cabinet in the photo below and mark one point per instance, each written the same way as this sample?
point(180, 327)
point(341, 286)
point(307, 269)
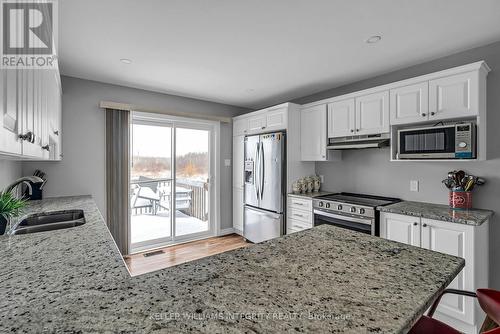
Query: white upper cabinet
point(29, 90)
point(409, 104)
point(267, 120)
point(257, 123)
point(400, 228)
point(341, 118)
point(372, 114)
point(10, 120)
point(313, 133)
point(276, 119)
point(240, 127)
point(454, 96)
point(30, 119)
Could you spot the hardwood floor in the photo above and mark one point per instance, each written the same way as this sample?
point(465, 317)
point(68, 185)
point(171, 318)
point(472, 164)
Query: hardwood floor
point(173, 255)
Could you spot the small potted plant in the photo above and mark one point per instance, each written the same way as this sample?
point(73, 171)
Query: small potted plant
point(10, 207)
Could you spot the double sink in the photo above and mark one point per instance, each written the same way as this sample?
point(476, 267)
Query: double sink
point(48, 221)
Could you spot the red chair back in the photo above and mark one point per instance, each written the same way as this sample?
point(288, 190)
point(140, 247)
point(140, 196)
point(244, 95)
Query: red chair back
point(490, 303)
point(493, 331)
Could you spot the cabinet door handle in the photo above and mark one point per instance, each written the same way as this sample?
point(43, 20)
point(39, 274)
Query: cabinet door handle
point(352, 130)
point(425, 225)
point(415, 224)
point(46, 148)
point(357, 130)
point(424, 114)
point(263, 127)
point(56, 132)
point(29, 137)
point(433, 113)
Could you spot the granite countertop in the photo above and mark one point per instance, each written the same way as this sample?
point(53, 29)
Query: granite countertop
point(439, 212)
point(312, 194)
point(325, 279)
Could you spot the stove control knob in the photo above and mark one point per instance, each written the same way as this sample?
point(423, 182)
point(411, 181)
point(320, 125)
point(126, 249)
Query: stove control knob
point(320, 204)
point(353, 209)
point(362, 211)
point(339, 207)
point(327, 205)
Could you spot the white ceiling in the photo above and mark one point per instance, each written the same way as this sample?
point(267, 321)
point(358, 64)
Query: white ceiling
point(253, 53)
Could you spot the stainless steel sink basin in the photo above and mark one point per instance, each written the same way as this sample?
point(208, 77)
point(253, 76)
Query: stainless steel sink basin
point(49, 221)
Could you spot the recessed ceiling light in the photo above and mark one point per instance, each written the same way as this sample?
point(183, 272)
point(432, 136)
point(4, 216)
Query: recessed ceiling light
point(126, 61)
point(374, 39)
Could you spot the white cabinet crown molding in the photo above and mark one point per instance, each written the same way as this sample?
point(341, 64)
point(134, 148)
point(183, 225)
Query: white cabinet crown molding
point(265, 110)
point(479, 65)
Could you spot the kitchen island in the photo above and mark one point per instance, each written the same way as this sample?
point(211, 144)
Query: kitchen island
point(325, 279)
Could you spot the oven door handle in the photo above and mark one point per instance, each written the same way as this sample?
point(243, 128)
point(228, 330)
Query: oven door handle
point(347, 218)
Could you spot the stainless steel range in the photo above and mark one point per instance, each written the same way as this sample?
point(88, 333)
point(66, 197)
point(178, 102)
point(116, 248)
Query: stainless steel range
point(352, 211)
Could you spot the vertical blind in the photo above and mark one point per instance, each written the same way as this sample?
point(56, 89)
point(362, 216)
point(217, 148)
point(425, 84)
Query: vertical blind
point(117, 176)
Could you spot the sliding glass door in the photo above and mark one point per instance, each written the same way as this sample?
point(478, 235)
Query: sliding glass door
point(192, 170)
point(170, 181)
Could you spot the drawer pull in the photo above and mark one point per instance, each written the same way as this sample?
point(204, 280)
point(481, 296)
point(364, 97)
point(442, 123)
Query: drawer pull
point(298, 215)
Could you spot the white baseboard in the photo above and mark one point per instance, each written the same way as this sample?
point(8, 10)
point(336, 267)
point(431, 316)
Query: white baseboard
point(226, 231)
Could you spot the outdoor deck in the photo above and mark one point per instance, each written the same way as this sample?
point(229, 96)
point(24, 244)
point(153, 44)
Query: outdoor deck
point(149, 226)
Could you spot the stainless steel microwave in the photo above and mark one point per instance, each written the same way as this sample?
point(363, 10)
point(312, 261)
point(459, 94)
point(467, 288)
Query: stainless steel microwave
point(454, 141)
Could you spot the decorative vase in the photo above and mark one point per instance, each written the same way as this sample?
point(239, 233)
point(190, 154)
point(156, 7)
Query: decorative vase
point(3, 224)
point(317, 184)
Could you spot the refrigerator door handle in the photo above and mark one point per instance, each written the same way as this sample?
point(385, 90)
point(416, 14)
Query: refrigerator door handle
point(262, 171)
point(256, 173)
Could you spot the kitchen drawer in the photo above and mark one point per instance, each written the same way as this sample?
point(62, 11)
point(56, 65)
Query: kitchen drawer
point(300, 215)
point(294, 225)
point(300, 203)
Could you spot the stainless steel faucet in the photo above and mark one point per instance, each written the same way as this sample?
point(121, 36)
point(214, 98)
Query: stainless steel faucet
point(26, 180)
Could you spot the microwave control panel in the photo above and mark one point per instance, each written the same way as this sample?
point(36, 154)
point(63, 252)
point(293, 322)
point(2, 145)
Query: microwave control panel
point(464, 145)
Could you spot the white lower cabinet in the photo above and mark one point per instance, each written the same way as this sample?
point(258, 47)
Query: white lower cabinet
point(238, 210)
point(400, 228)
point(465, 241)
point(299, 214)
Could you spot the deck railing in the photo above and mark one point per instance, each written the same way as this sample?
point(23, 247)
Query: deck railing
point(198, 196)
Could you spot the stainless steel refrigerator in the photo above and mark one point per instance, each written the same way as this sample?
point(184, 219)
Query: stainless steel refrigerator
point(264, 186)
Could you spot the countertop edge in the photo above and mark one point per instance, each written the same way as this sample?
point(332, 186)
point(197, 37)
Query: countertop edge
point(311, 195)
point(415, 212)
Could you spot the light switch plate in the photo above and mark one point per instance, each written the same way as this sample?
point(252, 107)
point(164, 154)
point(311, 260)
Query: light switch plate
point(227, 162)
point(322, 178)
point(414, 185)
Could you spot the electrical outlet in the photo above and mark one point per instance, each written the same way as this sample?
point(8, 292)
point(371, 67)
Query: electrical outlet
point(227, 162)
point(322, 178)
point(414, 185)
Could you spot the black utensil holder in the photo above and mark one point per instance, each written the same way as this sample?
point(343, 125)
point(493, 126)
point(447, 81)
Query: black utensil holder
point(36, 191)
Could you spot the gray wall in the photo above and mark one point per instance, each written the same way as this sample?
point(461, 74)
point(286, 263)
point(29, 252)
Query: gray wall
point(370, 171)
point(9, 171)
point(82, 170)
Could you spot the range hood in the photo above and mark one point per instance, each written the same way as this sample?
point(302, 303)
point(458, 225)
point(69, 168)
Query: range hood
point(359, 142)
